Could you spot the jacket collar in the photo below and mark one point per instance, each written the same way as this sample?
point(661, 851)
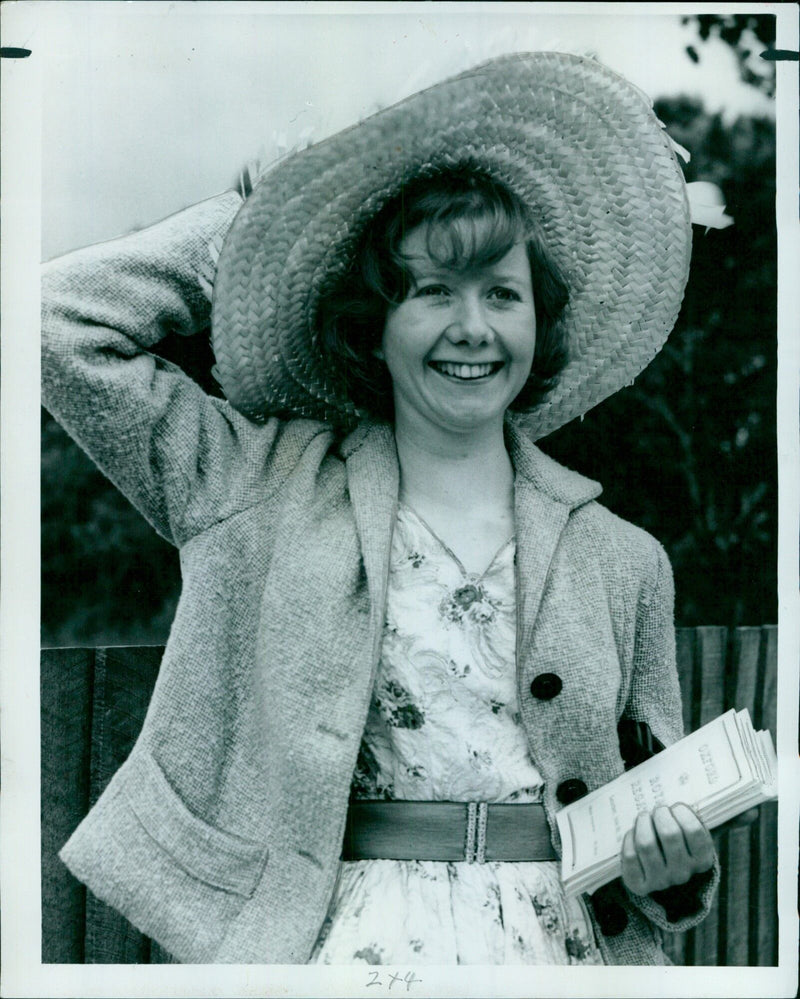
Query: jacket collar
point(548, 476)
point(374, 443)
point(374, 430)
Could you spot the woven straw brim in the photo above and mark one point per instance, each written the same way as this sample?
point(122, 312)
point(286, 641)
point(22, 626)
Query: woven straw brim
point(578, 143)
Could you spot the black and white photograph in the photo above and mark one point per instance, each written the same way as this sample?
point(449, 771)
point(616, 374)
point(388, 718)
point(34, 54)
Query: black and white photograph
point(400, 487)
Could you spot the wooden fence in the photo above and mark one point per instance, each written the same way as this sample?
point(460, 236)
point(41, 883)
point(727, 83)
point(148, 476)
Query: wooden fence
point(93, 703)
point(721, 670)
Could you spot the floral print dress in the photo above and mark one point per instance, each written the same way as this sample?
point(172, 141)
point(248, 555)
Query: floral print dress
point(444, 725)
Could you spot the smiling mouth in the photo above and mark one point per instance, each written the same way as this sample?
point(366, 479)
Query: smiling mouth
point(466, 372)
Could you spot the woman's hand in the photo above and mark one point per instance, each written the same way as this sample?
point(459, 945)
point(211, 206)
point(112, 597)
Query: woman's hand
point(665, 848)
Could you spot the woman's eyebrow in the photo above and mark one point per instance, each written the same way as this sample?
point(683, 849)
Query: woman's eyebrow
point(422, 267)
point(505, 278)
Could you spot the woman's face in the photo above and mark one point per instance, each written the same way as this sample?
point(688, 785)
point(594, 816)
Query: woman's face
point(459, 347)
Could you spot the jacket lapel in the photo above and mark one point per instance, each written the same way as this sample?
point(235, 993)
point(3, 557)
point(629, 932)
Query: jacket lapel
point(539, 522)
point(373, 480)
point(545, 493)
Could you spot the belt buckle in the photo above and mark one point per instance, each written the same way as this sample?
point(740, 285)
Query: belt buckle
point(475, 844)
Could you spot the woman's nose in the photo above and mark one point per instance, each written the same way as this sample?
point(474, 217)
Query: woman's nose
point(471, 324)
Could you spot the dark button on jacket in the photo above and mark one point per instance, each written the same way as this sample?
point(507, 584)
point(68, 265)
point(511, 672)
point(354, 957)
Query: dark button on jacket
point(545, 686)
point(570, 790)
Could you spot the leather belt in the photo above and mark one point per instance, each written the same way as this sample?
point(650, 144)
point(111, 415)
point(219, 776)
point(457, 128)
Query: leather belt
point(446, 830)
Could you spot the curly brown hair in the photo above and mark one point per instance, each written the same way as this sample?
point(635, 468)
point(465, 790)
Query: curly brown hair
point(351, 314)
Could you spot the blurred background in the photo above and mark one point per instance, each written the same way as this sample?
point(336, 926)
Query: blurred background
point(150, 107)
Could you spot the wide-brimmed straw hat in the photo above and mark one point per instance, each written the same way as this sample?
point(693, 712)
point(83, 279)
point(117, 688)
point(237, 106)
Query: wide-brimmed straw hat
point(579, 144)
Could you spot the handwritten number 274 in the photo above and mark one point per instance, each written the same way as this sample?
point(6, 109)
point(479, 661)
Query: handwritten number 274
point(408, 979)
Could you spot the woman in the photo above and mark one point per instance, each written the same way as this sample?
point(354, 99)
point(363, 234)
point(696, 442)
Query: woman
point(388, 589)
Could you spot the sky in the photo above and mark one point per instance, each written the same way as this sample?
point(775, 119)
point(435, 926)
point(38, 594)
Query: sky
point(152, 106)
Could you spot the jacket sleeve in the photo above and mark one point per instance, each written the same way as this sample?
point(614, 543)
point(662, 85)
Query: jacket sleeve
point(654, 697)
point(184, 460)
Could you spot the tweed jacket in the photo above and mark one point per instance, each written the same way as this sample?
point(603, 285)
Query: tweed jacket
point(220, 835)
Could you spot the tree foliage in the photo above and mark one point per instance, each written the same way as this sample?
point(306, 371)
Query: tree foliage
point(107, 577)
point(747, 35)
point(689, 451)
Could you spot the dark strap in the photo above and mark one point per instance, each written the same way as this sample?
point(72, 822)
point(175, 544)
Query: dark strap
point(446, 831)
point(636, 742)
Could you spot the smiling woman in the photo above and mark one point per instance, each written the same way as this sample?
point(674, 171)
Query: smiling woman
point(400, 622)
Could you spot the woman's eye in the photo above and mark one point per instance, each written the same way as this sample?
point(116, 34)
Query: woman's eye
point(502, 294)
point(432, 291)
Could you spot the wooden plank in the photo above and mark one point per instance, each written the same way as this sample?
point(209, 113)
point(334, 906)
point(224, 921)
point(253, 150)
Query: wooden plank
point(764, 934)
point(708, 700)
point(710, 670)
point(735, 852)
point(128, 678)
point(685, 658)
point(742, 678)
point(767, 708)
point(734, 897)
point(684, 654)
point(764, 873)
point(65, 706)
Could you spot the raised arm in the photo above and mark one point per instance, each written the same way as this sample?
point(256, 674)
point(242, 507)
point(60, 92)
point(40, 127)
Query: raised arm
point(185, 460)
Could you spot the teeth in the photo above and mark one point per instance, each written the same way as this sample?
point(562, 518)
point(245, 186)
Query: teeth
point(465, 371)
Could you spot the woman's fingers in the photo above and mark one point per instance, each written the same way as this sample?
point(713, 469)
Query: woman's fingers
point(699, 844)
point(632, 872)
point(643, 863)
point(655, 862)
point(665, 848)
point(674, 847)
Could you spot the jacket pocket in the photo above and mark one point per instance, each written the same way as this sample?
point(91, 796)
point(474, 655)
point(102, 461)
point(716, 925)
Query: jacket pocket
point(217, 858)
